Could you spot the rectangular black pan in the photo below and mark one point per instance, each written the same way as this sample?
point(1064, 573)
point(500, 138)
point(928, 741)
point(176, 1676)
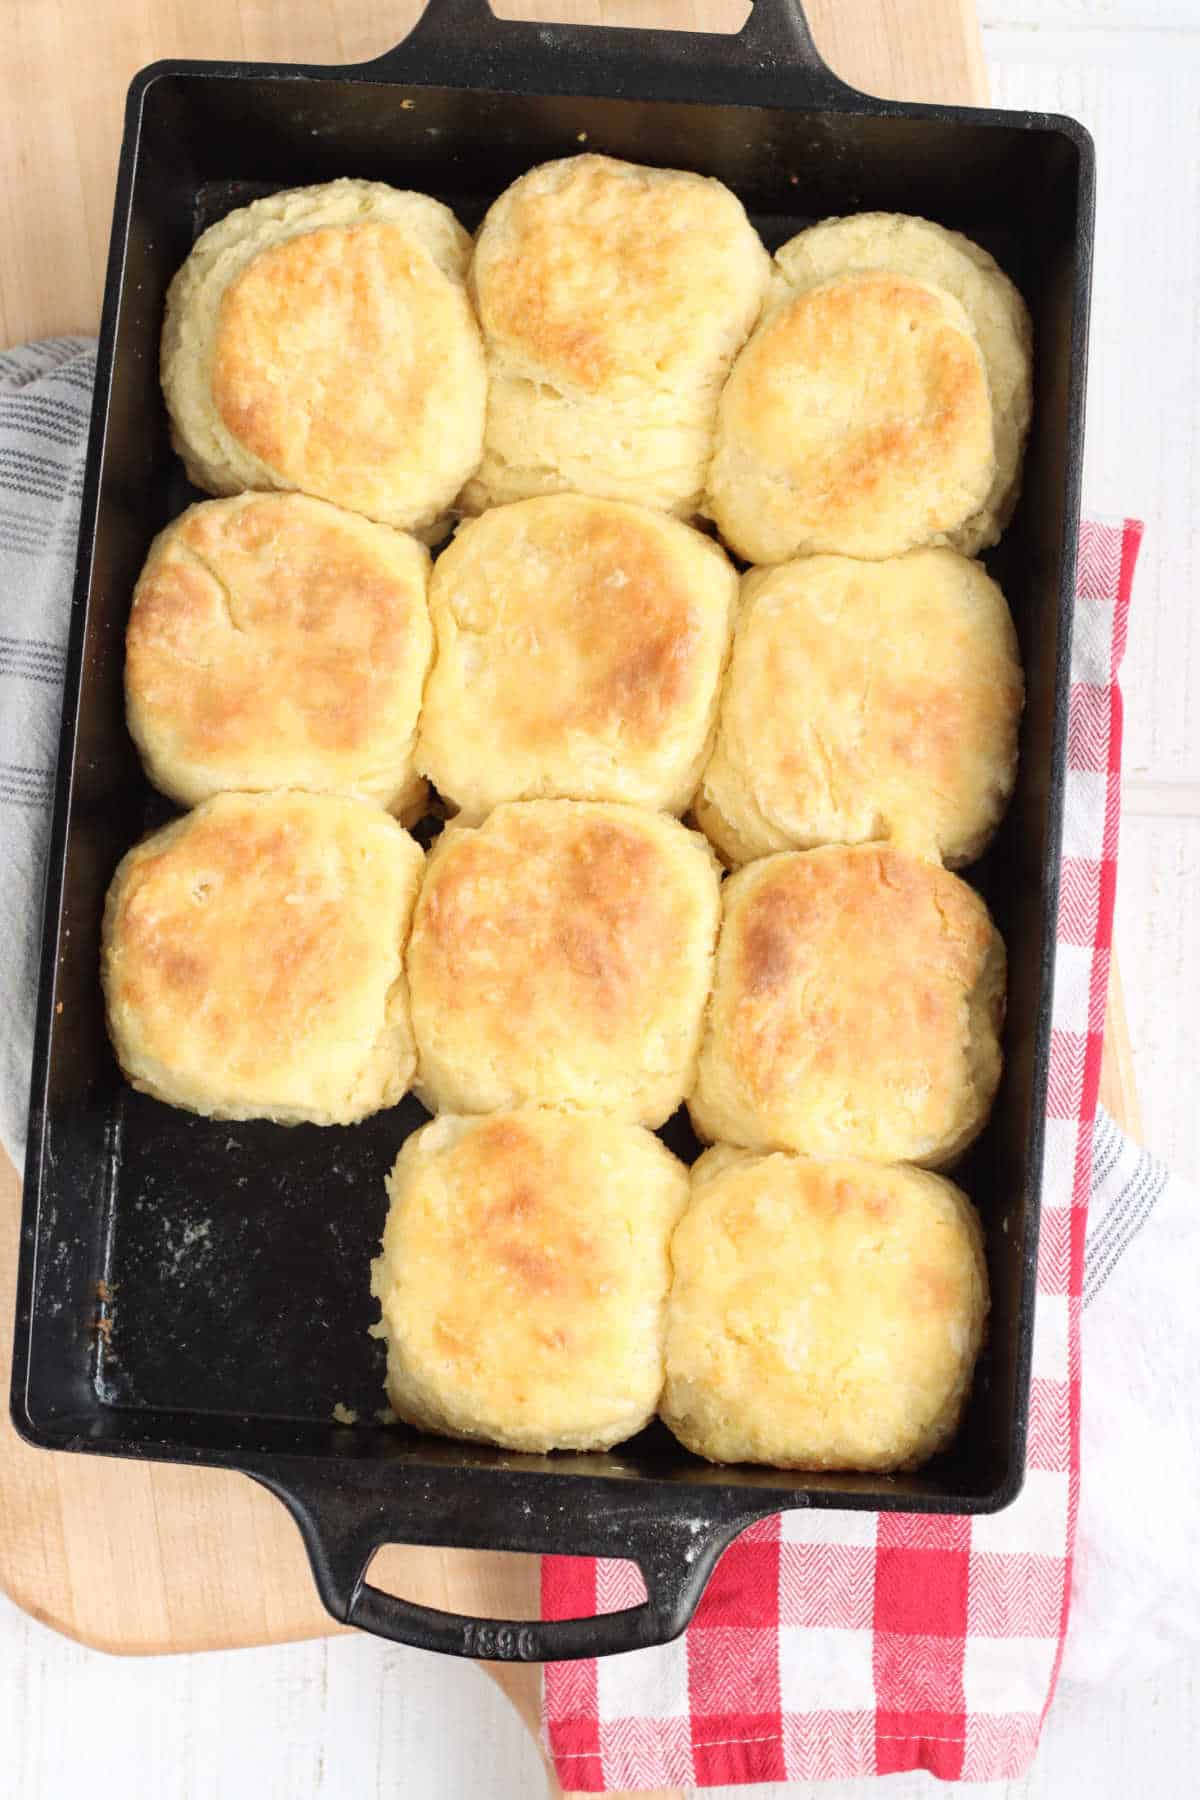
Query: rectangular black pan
point(197, 1292)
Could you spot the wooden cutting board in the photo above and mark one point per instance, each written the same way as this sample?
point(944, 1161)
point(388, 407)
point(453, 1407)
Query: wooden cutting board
point(148, 1558)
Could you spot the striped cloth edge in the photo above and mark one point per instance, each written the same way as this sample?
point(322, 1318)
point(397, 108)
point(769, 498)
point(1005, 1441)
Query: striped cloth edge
point(1127, 1184)
point(45, 405)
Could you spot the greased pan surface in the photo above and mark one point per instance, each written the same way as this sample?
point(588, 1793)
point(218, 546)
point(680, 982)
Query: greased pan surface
point(196, 1291)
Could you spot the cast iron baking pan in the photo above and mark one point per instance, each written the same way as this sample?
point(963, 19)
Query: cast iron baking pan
point(196, 1291)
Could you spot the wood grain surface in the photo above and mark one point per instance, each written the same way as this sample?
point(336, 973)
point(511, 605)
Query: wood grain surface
point(137, 1558)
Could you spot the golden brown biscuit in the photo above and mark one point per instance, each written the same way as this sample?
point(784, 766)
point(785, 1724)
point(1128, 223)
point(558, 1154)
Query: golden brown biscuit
point(322, 339)
point(857, 420)
point(277, 641)
point(866, 701)
point(823, 1315)
point(253, 959)
point(999, 316)
point(856, 1009)
point(613, 299)
point(561, 953)
point(524, 1277)
point(580, 645)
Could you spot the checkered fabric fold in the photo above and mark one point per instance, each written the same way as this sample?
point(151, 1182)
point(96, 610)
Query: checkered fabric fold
point(834, 1645)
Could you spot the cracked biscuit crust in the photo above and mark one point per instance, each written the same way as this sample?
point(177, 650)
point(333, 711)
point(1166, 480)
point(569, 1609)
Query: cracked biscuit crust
point(999, 317)
point(562, 954)
point(580, 646)
point(322, 339)
point(866, 701)
point(253, 959)
point(524, 1277)
point(613, 299)
point(277, 641)
point(857, 420)
point(856, 1009)
point(823, 1315)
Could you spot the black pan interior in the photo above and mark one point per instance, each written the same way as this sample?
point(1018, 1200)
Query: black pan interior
point(201, 1288)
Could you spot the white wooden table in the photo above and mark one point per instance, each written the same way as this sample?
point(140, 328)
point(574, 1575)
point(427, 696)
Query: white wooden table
point(352, 1717)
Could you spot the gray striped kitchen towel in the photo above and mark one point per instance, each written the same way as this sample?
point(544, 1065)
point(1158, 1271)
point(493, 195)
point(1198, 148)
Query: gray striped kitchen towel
point(45, 400)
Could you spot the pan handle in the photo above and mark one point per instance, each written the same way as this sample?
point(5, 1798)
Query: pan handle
point(771, 60)
point(343, 1522)
point(673, 1589)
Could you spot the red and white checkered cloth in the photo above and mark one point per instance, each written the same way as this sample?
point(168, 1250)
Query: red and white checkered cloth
point(831, 1645)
